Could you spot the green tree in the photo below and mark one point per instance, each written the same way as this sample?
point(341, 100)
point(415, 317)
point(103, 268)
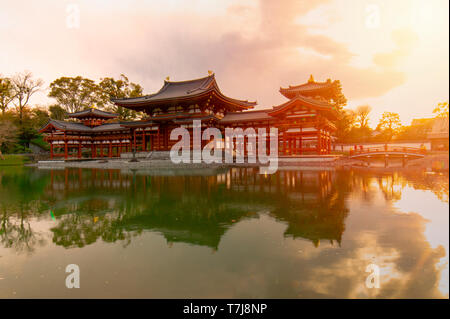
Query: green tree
point(389, 124)
point(57, 112)
point(39, 117)
point(24, 87)
point(8, 135)
point(25, 134)
point(75, 93)
point(441, 110)
point(6, 93)
point(111, 88)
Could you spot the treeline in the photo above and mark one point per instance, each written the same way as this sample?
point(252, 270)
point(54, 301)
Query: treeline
point(19, 122)
point(354, 126)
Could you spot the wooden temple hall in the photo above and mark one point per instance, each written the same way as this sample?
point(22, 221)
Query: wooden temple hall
point(305, 122)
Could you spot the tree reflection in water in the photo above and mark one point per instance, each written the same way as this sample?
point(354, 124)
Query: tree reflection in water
point(348, 216)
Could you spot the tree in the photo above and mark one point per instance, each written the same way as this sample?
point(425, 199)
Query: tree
point(57, 112)
point(441, 110)
point(24, 86)
point(121, 88)
point(362, 116)
point(338, 98)
point(344, 125)
point(39, 117)
point(389, 124)
point(8, 135)
point(25, 134)
point(6, 93)
point(75, 94)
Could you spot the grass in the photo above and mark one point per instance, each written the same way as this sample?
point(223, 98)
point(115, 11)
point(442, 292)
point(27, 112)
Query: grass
point(13, 160)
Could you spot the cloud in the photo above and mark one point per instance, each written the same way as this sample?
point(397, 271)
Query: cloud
point(252, 47)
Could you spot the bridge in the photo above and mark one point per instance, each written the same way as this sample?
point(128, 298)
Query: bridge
point(388, 151)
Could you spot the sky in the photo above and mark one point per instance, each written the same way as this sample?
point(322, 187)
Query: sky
point(390, 54)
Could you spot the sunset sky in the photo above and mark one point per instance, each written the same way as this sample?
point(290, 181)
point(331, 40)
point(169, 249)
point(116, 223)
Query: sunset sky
point(393, 55)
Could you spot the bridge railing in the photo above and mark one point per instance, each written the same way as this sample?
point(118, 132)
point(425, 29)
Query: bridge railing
point(387, 148)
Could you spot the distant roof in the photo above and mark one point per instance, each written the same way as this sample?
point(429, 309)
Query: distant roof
point(78, 127)
point(424, 121)
point(440, 128)
point(173, 92)
point(92, 112)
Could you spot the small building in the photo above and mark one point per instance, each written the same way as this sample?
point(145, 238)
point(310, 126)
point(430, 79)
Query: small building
point(92, 129)
point(439, 134)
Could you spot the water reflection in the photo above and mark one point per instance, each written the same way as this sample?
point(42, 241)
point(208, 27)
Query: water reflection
point(333, 223)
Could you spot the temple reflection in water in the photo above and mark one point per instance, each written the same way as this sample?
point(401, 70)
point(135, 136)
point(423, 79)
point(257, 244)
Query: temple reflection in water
point(109, 204)
point(303, 233)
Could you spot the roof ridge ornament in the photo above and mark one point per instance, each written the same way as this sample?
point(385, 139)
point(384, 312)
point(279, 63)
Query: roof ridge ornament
point(210, 72)
point(311, 79)
point(167, 78)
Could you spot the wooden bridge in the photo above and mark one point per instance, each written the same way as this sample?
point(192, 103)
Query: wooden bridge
point(388, 151)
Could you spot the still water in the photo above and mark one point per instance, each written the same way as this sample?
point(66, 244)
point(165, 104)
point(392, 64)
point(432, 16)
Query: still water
point(223, 234)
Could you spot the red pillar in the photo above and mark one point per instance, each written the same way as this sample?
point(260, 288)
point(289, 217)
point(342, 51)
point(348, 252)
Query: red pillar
point(110, 149)
point(144, 148)
point(79, 150)
point(51, 150)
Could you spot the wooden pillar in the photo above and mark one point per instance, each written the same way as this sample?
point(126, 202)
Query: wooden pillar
point(79, 150)
point(51, 150)
point(110, 149)
point(144, 147)
point(101, 149)
point(318, 142)
point(134, 139)
point(66, 150)
point(157, 138)
point(329, 144)
point(300, 146)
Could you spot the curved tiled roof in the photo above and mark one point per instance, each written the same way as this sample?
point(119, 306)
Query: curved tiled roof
point(258, 115)
point(315, 104)
point(182, 90)
point(78, 127)
point(93, 113)
point(308, 88)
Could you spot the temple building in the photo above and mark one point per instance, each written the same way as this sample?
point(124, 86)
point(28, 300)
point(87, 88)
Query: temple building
point(305, 122)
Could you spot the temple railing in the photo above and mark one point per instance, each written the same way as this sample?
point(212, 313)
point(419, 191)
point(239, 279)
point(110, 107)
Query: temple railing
point(388, 149)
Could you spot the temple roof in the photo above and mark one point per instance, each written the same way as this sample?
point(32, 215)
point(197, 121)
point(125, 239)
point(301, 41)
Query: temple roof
point(257, 115)
point(310, 88)
point(302, 100)
point(183, 91)
point(92, 112)
point(78, 127)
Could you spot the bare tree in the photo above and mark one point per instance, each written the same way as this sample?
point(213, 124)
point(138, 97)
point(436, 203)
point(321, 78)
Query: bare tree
point(362, 115)
point(24, 86)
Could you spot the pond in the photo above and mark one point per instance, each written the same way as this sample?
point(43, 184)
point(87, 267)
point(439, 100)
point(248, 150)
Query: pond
point(229, 233)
